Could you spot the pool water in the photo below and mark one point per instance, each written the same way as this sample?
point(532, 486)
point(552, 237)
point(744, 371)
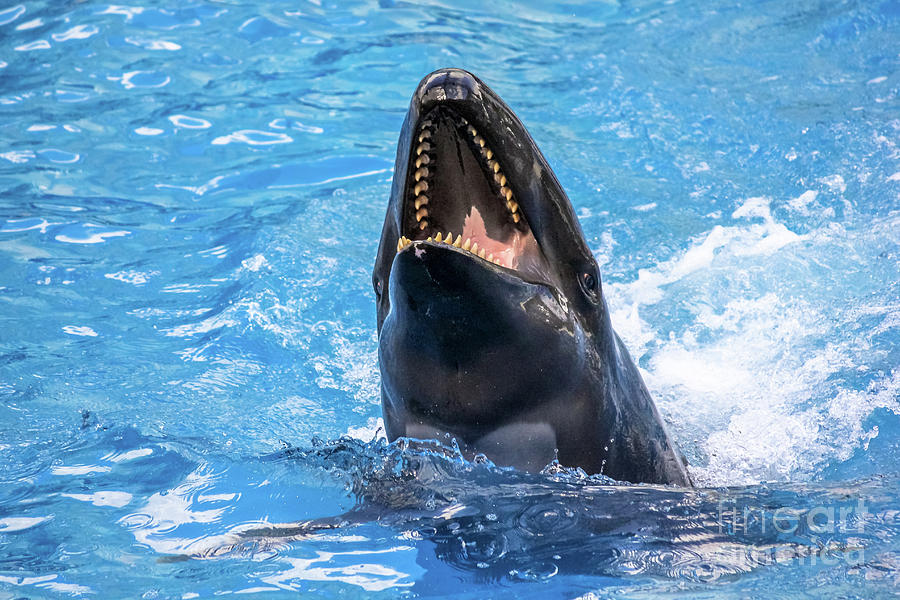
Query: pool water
point(190, 205)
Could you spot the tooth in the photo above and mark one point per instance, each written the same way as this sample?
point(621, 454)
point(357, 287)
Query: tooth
point(424, 135)
point(489, 153)
point(423, 224)
point(502, 180)
point(438, 238)
point(498, 262)
point(421, 201)
point(496, 167)
point(423, 147)
point(479, 140)
point(429, 239)
point(512, 205)
point(399, 245)
point(468, 244)
point(506, 193)
point(475, 248)
point(421, 187)
point(422, 212)
point(427, 123)
point(516, 217)
point(471, 131)
point(449, 238)
point(423, 172)
point(481, 254)
point(422, 160)
point(458, 242)
point(491, 257)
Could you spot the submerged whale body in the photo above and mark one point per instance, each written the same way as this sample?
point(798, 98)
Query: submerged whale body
point(493, 329)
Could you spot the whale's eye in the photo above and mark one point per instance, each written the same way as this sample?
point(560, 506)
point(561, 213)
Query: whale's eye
point(377, 285)
point(588, 281)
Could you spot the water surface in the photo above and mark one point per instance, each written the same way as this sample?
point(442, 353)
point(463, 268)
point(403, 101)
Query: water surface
point(190, 205)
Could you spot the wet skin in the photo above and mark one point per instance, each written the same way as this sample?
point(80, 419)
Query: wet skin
point(501, 338)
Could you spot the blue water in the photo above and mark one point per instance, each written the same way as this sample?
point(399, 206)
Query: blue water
point(190, 206)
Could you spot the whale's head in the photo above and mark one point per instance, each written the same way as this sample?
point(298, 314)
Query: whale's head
point(488, 296)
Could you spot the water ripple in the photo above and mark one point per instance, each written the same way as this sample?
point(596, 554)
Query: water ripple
point(186, 122)
point(253, 138)
point(35, 45)
point(144, 79)
point(153, 44)
point(79, 32)
point(9, 15)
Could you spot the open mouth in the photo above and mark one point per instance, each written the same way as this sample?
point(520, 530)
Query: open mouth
point(458, 194)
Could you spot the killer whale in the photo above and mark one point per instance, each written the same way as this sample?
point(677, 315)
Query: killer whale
point(493, 329)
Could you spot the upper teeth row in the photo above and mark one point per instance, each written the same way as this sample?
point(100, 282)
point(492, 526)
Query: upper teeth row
point(499, 177)
point(468, 245)
point(423, 159)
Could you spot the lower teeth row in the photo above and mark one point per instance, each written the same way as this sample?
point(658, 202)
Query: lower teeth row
point(466, 245)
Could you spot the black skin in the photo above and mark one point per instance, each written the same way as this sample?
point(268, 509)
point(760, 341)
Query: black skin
point(522, 367)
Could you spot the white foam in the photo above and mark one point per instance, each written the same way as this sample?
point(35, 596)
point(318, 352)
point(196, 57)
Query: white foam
point(350, 367)
point(834, 182)
point(372, 430)
point(801, 202)
point(720, 244)
point(747, 383)
point(255, 263)
point(132, 277)
point(757, 206)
